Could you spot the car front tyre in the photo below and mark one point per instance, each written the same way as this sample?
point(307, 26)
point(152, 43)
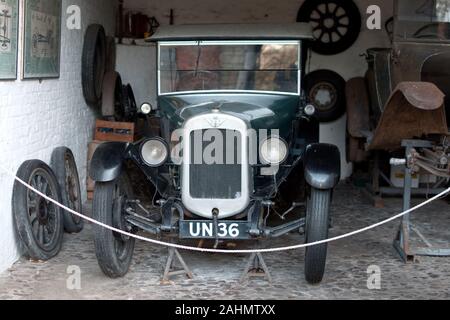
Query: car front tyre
point(317, 225)
point(114, 251)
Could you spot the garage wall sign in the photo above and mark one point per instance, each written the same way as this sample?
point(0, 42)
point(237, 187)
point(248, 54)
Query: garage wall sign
point(9, 13)
point(42, 39)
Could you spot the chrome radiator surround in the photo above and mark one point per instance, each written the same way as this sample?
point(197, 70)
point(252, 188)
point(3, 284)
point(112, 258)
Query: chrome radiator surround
point(204, 207)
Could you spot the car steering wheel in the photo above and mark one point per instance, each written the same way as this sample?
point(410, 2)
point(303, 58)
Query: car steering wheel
point(432, 35)
point(198, 80)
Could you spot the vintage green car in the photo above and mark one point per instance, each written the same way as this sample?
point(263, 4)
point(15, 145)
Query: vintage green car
point(235, 152)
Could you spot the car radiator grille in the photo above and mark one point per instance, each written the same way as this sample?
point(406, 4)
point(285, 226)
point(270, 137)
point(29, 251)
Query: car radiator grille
point(220, 180)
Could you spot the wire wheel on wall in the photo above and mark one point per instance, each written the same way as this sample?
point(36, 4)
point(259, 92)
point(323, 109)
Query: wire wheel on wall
point(39, 222)
point(336, 24)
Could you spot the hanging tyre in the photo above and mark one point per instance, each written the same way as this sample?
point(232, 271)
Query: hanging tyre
point(65, 169)
point(129, 107)
point(336, 24)
point(325, 89)
point(93, 64)
point(39, 223)
point(317, 225)
point(110, 54)
point(112, 96)
point(113, 250)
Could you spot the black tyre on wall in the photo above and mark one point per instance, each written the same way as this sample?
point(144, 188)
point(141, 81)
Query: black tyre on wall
point(38, 222)
point(336, 24)
point(93, 65)
point(112, 99)
point(110, 54)
point(65, 169)
point(325, 89)
point(317, 225)
point(114, 251)
point(129, 106)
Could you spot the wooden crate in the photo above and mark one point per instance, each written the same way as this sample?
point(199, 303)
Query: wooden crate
point(115, 131)
point(110, 131)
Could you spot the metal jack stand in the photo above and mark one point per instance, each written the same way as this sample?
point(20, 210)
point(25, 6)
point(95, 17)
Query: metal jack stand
point(402, 240)
point(170, 270)
point(256, 267)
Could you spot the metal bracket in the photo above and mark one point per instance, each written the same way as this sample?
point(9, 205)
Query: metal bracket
point(166, 211)
point(170, 271)
point(256, 268)
point(253, 217)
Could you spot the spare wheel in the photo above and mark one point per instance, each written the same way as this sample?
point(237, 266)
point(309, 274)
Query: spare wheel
point(93, 64)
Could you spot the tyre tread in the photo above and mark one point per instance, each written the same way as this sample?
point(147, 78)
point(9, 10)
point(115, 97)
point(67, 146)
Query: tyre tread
point(317, 229)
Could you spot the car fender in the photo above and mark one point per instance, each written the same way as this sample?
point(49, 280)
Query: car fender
point(107, 161)
point(322, 164)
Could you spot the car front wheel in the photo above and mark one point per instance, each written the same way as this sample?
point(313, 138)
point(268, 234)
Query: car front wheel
point(317, 225)
point(113, 250)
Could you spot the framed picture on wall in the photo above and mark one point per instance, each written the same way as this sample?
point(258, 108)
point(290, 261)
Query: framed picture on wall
point(42, 39)
point(9, 23)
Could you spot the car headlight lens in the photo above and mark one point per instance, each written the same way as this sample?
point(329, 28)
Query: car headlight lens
point(310, 110)
point(154, 152)
point(146, 108)
point(274, 151)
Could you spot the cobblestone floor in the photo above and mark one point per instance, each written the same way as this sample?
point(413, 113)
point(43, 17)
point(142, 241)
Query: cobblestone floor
point(217, 276)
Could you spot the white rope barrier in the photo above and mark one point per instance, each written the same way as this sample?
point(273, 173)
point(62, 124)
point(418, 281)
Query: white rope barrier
point(182, 247)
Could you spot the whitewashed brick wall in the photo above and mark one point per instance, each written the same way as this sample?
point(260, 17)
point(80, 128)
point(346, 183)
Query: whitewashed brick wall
point(36, 117)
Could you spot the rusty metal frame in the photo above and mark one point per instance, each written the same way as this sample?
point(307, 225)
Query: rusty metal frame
point(402, 244)
point(414, 109)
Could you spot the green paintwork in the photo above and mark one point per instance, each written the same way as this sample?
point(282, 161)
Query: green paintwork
point(260, 111)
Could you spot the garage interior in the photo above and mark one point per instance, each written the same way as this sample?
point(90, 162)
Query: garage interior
point(38, 115)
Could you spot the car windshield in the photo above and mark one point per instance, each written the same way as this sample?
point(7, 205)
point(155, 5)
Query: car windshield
point(229, 66)
point(423, 20)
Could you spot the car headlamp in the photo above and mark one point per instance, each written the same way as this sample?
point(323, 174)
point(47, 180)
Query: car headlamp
point(273, 151)
point(154, 152)
point(310, 110)
point(146, 108)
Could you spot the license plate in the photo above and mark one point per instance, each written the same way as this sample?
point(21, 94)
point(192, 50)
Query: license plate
point(205, 229)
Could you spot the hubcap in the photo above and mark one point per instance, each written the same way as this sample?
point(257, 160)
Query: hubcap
point(329, 23)
point(324, 96)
